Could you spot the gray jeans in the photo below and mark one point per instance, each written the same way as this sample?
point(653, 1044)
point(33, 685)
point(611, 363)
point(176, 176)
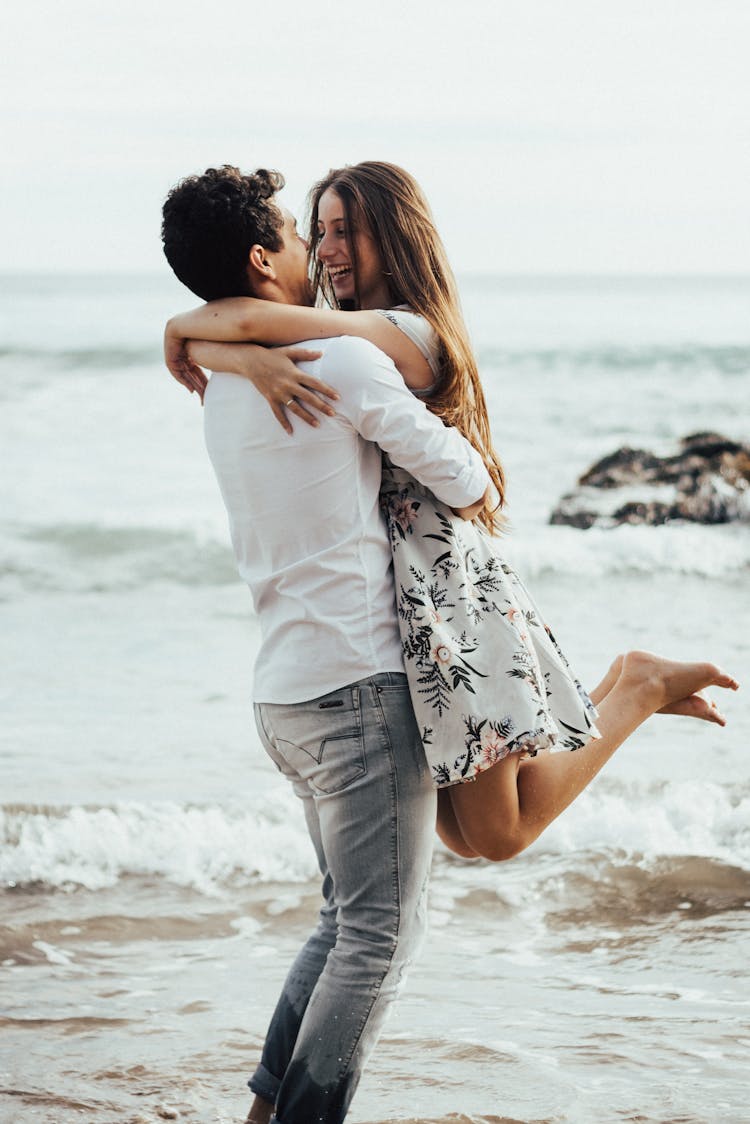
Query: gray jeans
point(355, 760)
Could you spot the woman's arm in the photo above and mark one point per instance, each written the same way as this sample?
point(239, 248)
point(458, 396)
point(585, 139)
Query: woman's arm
point(237, 319)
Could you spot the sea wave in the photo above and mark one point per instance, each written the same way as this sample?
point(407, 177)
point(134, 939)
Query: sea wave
point(91, 558)
point(676, 548)
point(212, 848)
point(651, 360)
point(202, 847)
point(81, 358)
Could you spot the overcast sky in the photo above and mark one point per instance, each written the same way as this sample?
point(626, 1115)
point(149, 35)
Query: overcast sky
point(550, 135)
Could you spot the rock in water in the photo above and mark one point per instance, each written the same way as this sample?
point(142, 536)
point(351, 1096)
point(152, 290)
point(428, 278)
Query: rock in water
point(707, 481)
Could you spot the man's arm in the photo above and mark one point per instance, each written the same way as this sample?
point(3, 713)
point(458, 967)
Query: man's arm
point(378, 405)
point(473, 510)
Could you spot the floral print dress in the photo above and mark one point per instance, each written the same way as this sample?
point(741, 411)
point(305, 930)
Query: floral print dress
point(485, 673)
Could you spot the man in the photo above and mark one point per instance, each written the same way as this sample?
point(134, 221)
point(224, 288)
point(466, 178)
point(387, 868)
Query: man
point(331, 700)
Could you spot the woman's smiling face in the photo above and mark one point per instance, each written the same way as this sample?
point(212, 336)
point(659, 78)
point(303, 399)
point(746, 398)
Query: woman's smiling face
point(333, 250)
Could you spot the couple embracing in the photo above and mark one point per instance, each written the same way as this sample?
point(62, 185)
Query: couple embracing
point(405, 678)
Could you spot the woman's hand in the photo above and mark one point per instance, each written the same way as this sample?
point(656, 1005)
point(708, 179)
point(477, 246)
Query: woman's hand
point(285, 387)
point(272, 371)
point(181, 366)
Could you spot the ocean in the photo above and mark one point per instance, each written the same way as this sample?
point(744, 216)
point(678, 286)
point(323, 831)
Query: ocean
point(155, 873)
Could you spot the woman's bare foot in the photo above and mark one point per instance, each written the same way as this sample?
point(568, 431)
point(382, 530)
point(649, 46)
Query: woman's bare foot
point(696, 706)
point(669, 683)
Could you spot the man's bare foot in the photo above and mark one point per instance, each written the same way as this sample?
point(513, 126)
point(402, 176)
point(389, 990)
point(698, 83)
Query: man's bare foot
point(670, 682)
point(260, 1112)
point(696, 706)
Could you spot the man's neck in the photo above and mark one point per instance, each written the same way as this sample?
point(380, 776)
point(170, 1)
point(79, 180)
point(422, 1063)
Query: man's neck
point(272, 291)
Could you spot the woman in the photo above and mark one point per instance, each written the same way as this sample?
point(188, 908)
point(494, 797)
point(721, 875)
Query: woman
point(491, 690)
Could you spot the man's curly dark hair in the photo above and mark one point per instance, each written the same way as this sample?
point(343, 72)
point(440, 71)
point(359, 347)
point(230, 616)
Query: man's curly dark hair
point(210, 222)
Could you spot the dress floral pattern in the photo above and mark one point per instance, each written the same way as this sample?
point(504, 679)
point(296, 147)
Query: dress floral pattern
point(485, 673)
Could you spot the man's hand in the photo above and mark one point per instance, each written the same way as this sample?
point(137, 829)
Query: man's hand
point(473, 510)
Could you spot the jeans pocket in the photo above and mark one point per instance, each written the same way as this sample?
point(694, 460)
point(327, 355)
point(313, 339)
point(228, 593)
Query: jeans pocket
point(321, 742)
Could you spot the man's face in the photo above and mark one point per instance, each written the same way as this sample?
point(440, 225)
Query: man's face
point(290, 263)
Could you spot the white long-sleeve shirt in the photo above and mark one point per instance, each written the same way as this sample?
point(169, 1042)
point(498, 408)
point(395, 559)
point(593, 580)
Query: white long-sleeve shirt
point(308, 535)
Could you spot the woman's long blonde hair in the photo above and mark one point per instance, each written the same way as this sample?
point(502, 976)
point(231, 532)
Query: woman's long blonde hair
point(386, 202)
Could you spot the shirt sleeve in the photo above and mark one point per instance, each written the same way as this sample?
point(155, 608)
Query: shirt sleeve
point(379, 405)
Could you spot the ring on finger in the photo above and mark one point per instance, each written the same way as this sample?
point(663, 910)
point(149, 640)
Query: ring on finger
point(289, 402)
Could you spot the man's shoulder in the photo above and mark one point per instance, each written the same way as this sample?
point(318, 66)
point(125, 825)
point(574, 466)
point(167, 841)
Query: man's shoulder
point(340, 349)
point(350, 356)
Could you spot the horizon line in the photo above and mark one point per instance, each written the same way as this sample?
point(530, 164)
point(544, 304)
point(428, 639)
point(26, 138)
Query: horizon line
point(483, 274)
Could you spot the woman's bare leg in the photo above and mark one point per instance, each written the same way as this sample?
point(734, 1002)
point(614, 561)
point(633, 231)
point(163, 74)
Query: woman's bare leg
point(447, 826)
point(601, 690)
point(448, 829)
point(511, 804)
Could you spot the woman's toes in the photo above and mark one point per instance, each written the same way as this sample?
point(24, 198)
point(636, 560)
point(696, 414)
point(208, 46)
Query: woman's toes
point(673, 680)
point(696, 706)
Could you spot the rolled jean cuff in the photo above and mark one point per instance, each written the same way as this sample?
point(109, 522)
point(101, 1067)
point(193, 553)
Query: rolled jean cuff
point(264, 1084)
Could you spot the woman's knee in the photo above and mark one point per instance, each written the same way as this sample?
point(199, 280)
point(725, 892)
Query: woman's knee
point(496, 844)
point(448, 829)
point(461, 848)
point(451, 836)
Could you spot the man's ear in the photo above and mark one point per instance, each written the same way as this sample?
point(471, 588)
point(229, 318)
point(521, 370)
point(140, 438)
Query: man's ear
point(259, 265)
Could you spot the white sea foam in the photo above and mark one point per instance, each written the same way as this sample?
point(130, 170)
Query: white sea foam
point(52, 954)
point(676, 818)
point(201, 847)
point(682, 548)
point(208, 848)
